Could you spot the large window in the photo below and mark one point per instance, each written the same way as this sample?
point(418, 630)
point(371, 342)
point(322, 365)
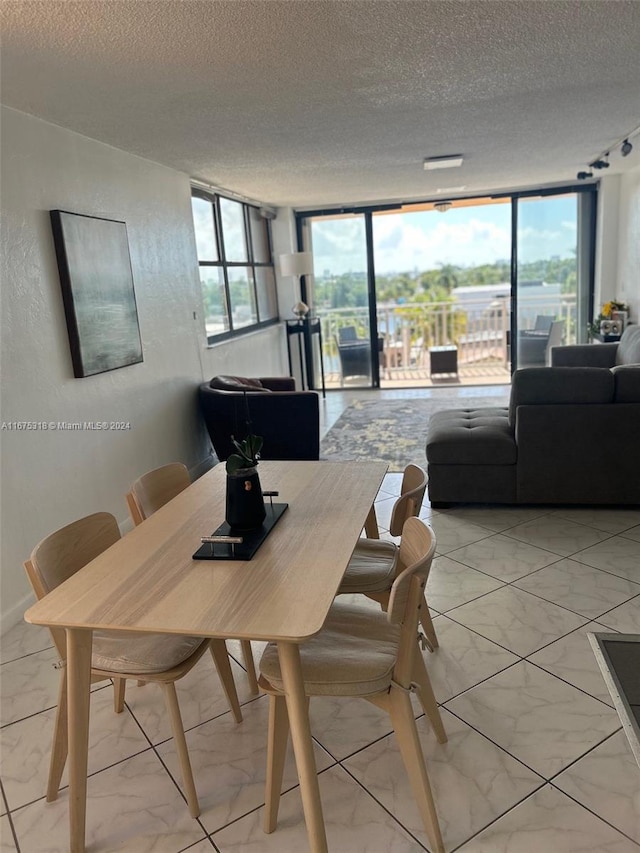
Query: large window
point(236, 268)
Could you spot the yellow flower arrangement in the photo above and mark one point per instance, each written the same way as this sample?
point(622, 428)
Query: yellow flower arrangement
point(605, 314)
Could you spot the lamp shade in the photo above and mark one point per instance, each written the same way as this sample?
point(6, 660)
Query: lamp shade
point(296, 263)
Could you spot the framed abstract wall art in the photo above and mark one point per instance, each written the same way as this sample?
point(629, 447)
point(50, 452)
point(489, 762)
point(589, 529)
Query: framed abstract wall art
point(98, 293)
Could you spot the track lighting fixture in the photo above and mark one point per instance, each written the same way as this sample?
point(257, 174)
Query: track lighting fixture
point(626, 148)
point(583, 176)
point(600, 163)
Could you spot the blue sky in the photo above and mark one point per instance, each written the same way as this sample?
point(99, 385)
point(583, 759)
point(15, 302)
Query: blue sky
point(466, 236)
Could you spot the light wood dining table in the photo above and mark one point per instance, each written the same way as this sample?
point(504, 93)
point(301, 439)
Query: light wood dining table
point(148, 582)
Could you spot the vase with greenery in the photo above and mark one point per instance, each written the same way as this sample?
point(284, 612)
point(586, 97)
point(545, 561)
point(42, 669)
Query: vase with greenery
point(245, 503)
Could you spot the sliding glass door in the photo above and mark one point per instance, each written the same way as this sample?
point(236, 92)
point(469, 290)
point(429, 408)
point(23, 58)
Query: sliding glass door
point(552, 273)
point(340, 297)
point(491, 283)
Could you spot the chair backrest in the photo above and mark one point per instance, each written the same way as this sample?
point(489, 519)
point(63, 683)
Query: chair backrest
point(415, 556)
point(414, 484)
point(347, 334)
point(556, 333)
point(543, 322)
point(156, 488)
point(61, 554)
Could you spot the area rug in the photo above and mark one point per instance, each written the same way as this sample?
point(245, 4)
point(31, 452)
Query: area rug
point(395, 430)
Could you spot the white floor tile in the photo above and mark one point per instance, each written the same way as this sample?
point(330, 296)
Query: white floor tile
point(632, 533)
point(537, 718)
point(607, 781)
point(625, 618)
point(473, 781)
point(23, 639)
point(26, 747)
point(452, 533)
point(200, 696)
point(517, 620)
point(229, 764)
point(29, 685)
point(451, 584)
point(503, 557)
point(571, 658)
point(580, 588)
point(613, 520)
point(549, 822)
point(463, 659)
point(557, 535)
point(496, 518)
point(618, 555)
point(7, 844)
point(133, 807)
point(354, 823)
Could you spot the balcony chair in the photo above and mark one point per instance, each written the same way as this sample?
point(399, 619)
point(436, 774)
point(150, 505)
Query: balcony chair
point(534, 349)
point(152, 491)
point(354, 354)
point(371, 655)
point(288, 420)
point(118, 655)
point(374, 565)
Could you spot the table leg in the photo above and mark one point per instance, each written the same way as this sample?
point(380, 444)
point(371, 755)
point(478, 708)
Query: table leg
point(78, 685)
point(298, 709)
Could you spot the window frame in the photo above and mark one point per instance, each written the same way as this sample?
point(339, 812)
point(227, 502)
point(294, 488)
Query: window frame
point(224, 266)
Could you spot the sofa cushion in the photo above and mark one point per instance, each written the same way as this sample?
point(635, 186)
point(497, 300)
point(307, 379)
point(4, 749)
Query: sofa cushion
point(236, 383)
point(628, 351)
point(548, 385)
point(471, 437)
point(626, 379)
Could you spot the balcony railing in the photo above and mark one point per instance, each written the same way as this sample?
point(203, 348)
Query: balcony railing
point(407, 332)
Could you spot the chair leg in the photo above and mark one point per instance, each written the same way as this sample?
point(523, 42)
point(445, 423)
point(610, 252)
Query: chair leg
point(427, 625)
point(119, 685)
point(371, 525)
point(247, 657)
point(276, 755)
point(427, 698)
point(404, 726)
point(177, 726)
point(220, 657)
point(60, 745)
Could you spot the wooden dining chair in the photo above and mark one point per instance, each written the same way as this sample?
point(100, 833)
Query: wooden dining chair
point(152, 491)
point(119, 655)
point(373, 566)
point(372, 655)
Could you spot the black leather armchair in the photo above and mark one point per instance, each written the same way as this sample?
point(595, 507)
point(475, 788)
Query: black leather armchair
point(288, 420)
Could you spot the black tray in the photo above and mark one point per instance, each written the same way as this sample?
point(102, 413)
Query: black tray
point(252, 539)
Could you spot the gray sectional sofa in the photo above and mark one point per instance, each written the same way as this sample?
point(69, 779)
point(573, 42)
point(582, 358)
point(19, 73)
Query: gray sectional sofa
point(571, 435)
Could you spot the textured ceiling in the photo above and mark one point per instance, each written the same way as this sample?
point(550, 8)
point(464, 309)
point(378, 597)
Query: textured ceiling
point(315, 103)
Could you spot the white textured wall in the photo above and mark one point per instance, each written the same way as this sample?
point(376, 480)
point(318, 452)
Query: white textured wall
point(618, 240)
point(628, 269)
point(50, 478)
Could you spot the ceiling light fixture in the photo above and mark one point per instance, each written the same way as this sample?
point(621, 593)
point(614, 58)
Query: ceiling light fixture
point(600, 163)
point(583, 176)
point(442, 206)
point(448, 161)
point(626, 148)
